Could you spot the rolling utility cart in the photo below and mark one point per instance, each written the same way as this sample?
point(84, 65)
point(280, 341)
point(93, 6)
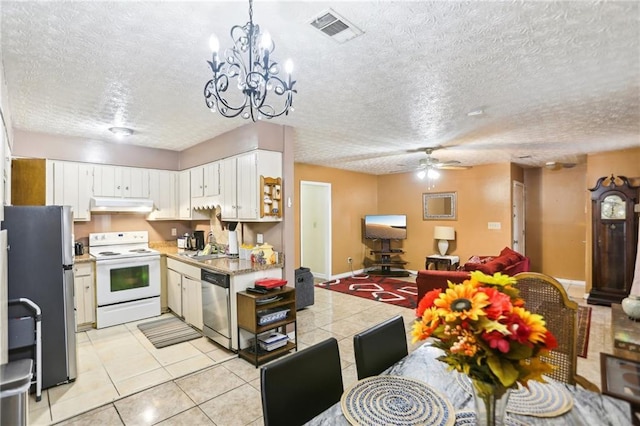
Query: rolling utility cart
point(25, 336)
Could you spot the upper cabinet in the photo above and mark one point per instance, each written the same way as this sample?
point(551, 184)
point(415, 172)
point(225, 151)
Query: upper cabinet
point(241, 187)
point(184, 195)
point(163, 185)
point(69, 184)
point(117, 181)
point(205, 180)
point(38, 182)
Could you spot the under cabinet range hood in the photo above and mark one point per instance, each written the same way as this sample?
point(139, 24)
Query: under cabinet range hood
point(127, 205)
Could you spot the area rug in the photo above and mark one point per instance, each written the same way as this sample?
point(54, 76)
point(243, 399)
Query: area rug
point(168, 331)
point(379, 288)
point(584, 324)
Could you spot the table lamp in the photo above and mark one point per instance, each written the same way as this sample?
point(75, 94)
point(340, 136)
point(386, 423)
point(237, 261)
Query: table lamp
point(443, 234)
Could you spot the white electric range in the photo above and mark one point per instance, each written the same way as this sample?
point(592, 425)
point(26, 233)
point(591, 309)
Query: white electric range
point(127, 277)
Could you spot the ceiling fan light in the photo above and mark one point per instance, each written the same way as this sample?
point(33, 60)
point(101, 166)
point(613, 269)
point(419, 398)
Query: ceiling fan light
point(433, 174)
point(421, 174)
point(121, 132)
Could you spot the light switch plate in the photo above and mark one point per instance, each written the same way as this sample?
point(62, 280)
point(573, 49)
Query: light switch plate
point(259, 238)
point(494, 225)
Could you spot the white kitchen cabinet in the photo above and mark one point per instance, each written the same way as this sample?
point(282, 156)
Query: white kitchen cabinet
point(241, 193)
point(184, 195)
point(192, 301)
point(205, 180)
point(84, 287)
point(69, 184)
point(174, 291)
point(184, 292)
point(162, 189)
point(117, 181)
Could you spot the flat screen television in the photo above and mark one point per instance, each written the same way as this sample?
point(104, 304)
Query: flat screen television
point(385, 226)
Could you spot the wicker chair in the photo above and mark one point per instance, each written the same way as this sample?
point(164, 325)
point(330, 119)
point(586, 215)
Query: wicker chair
point(544, 295)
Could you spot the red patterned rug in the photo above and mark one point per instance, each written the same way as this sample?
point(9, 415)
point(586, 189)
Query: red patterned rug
point(584, 325)
point(380, 288)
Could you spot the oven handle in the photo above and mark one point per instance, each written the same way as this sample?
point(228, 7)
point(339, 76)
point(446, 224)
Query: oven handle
point(127, 260)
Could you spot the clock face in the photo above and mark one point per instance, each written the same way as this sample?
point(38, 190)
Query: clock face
point(613, 207)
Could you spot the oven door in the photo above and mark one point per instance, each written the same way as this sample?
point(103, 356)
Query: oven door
point(123, 280)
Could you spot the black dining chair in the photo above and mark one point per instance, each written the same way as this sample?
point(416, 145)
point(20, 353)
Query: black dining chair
point(302, 385)
point(380, 346)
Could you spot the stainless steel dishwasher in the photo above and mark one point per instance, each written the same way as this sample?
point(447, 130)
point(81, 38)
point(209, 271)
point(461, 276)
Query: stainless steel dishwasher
point(216, 308)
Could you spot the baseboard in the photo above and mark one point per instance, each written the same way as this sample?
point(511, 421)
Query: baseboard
point(566, 283)
point(362, 271)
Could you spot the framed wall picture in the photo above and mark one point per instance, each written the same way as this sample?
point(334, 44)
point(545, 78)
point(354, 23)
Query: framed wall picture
point(439, 206)
point(620, 378)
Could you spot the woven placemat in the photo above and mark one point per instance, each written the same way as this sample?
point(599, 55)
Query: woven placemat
point(541, 399)
point(468, 418)
point(395, 400)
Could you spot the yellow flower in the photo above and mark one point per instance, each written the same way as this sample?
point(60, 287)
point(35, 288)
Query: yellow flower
point(423, 329)
point(535, 322)
point(462, 301)
point(495, 279)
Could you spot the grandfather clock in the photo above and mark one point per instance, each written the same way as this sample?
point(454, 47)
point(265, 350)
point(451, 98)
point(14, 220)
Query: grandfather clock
point(614, 239)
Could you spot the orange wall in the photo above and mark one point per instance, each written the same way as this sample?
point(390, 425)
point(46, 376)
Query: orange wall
point(353, 195)
point(483, 195)
point(555, 221)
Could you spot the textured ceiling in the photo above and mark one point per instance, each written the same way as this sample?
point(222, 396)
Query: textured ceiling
point(555, 79)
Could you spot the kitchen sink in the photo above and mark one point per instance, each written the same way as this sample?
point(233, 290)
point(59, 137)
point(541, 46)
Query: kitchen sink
point(196, 256)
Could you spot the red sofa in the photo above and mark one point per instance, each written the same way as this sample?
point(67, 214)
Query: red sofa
point(508, 262)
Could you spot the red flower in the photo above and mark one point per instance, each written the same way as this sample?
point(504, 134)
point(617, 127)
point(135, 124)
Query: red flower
point(427, 301)
point(550, 341)
point(497, 341)
point(499, 303)
point(519, 330)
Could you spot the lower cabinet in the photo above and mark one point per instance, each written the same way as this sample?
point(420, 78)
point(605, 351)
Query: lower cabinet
point(84, 288)
point(192, 301)
point(184, 292)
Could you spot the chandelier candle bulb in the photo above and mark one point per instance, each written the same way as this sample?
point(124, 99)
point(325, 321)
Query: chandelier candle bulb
point(249, 63)
point(214, 45)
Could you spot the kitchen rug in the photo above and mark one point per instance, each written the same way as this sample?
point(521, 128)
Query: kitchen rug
point(168, 331)
point(382, 289)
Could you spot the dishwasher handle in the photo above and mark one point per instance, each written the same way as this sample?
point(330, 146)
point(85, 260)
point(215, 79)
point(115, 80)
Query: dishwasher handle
point(220, 280)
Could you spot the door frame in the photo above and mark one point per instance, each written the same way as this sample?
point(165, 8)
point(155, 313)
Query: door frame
point(326, 238)
point(518, 242)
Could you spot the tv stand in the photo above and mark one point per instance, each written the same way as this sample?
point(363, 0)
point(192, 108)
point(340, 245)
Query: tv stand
point(385, 262)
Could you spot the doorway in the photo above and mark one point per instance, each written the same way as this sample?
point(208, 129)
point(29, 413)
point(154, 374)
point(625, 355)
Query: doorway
point(315, 228)
point(518, 241)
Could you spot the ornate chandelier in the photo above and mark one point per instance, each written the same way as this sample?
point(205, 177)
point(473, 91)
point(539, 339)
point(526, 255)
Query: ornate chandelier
point(248, 67)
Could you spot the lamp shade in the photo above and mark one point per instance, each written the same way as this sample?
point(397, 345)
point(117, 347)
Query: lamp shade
point(444, 233)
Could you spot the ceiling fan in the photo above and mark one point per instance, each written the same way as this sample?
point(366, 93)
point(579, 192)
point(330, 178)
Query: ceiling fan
point(429, 166)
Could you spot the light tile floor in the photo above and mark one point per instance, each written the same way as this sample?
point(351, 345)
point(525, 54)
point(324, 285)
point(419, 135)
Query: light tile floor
point(124, 380)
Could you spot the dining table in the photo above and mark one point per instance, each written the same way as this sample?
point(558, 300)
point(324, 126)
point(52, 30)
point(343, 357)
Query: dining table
point(450, 393)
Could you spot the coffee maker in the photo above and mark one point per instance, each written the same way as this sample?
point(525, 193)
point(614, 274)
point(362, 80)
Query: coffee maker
point(199, 237)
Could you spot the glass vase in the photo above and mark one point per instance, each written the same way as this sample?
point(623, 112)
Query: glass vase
point(490, 402)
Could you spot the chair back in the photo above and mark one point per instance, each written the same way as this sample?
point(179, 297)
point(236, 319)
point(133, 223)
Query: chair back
point(300, 386)
point(544, 295)
point(380, 346)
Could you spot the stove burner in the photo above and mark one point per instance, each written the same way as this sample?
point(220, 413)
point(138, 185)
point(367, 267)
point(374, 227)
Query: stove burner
point(108, 253)
point(139, 251)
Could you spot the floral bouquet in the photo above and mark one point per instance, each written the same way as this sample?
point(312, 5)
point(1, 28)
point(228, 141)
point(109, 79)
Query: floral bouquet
point(485, 331)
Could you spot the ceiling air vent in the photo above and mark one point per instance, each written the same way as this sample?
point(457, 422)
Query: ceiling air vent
point(335, 26)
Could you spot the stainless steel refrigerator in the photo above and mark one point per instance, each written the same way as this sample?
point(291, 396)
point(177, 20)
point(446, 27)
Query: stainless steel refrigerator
point(40, 268)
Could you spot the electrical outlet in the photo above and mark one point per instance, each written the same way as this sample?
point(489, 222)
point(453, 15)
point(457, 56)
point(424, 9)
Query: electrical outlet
point(174, 232)
point(349, 260)
point(259, 238)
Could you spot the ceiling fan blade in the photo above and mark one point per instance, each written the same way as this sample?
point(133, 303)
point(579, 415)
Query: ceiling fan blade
point(453, 167)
